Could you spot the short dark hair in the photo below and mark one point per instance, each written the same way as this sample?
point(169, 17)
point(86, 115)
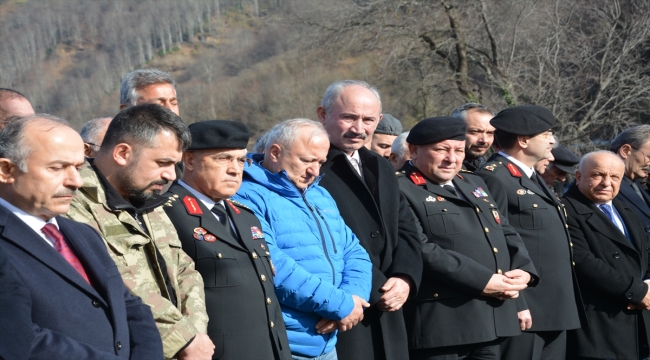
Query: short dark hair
point(140, 125)
point(635, 136)
point(10, 94)
point(505, 140)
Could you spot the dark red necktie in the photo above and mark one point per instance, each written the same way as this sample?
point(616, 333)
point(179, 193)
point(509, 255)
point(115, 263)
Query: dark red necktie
point(62, 247)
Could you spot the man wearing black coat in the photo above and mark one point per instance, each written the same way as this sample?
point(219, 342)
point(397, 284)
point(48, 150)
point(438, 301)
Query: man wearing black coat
point(475, 263)
point(524, 136)
point(365, 188)
point(225, 240)
point(610, 251)
point(633, 147)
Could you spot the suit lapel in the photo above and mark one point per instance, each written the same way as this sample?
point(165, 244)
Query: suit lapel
point(626, 214)
point(370, 168)
point(628, 192)
point(17, 232)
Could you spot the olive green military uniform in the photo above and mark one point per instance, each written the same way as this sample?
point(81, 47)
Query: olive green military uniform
point(149, 256)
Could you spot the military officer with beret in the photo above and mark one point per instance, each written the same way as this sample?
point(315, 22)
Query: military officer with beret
point(225, 240)
point(564, 162)
point(475, 263)
point(524, 137)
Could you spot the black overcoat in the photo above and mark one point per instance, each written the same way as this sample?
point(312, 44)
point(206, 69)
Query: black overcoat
point(380, 217)
point(467, 242)
point(539, 218)
point(245, 315)
point(610, 273)
point(627, 194)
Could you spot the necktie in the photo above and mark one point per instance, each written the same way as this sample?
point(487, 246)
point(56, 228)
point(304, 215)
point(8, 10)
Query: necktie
point(451, 189)
point(355, 165)
point(223, 218)
point(62, 247)
point(607, 209)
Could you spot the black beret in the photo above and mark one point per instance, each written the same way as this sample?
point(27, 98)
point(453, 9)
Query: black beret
point(565, 160)
point(389, 125)
point(219, 134)
point(524, 120)
point(436, 129)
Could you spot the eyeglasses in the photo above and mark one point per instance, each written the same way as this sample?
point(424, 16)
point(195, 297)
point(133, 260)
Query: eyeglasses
point(546, 134)
point(95, 147)
point(647, 157)
point(225, 160)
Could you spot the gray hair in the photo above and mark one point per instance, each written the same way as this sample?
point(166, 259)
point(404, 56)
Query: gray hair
point(91, 129)
point(589, 155)
point(334, 90)
point(635, 137)
point(138, 79)
point(286, 132)
point(260, 144)
point(12, 137)
point(461, 111)
point(400, 146)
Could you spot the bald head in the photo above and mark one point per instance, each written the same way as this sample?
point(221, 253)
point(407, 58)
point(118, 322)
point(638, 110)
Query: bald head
point(599, 176)
point(13, 104)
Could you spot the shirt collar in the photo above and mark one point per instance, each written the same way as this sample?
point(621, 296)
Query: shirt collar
point(527, 170)
point(209, 203)
point(34, 222)
point(355, 156)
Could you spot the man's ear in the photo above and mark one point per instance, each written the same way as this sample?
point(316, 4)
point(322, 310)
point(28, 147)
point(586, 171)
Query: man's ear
point(578, 177)
point(7, 171)
point(413, 150)
point(321, 112)
point(123, 154)
point(523, 141)
point(189, 160)
point(392, 158)
point(625, 151)
point(88, 149)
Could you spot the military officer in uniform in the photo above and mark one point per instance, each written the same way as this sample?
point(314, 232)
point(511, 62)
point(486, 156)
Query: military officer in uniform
point(524, 137)
point(475, 263)
point(225, 240)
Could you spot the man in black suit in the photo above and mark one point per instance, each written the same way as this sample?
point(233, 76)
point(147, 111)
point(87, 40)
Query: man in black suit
point(16, 332)
point(633, 146)
point(475, 263)
point(225, 240)
point(610, 251)
point(80, 308)
point(524, 136)
point(365, 188)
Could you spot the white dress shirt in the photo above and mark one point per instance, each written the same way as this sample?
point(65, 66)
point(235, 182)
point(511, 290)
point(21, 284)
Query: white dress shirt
point(34, 222)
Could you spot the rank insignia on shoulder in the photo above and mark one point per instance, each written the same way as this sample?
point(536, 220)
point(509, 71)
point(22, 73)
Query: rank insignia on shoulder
point(233, 207)
point(479, 192)
point(497, 218)
point(440, 198)
point(490, 167)
point(417, 178)
point(430, 199)
point(192, 206)
point(513, 170)
point(257, 233)
point(521, 191)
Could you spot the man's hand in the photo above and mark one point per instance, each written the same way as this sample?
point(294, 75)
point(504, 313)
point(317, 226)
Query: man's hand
point(326, 326)
point(517, 277)
point(525, 320)
point(644, 304)
point(498, 287)
point(201, 348)
point(355, 316)
point(396, 291)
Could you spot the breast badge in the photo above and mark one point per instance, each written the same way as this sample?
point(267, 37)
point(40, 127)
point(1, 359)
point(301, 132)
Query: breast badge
point(521, 191)
point(209, 238)
point(479, 192)
point(199, 233)
point(497, 218)
point(430, 199)
point(440, 198)
point(257, 233)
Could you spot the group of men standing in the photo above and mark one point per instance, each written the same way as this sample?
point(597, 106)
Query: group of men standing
point(315, 248)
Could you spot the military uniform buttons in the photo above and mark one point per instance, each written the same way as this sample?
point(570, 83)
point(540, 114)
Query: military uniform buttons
point(499, 271)
point(573, 263)
point(118, 345)
point(616, 255)
point(571, 244)
point(219, 255)
point(254, 255)
point(534, 205)
point(374, 234)
point(435, 295)
point(629, 296)
point(491, 205)
point(566, 226)
point(647, 229)
point(486, 230)
point(272, 324)
point(444, 210)
point(495, 250)
point(96, 303)
point(263, 277)
point(477, 210)
point(268, 253)
point(268, 301)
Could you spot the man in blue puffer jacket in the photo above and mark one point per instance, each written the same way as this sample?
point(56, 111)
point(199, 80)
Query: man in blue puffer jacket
point(323, 275)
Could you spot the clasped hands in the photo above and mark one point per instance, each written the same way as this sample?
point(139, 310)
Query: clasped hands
point(508, 285)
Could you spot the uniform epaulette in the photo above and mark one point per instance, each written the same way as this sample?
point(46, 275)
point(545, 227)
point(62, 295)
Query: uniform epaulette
point(493, 165)
point(240, 204)
point(171, 198)
point(400, 173)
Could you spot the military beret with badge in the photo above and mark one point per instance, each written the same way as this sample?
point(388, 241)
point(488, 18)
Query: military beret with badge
point(524, 120)
point(436, 129)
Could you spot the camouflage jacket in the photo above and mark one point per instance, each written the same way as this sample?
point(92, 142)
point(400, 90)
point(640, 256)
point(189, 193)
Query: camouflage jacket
point(134, 252)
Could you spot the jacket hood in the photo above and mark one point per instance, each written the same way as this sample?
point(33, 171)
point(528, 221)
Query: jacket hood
point(278, 183)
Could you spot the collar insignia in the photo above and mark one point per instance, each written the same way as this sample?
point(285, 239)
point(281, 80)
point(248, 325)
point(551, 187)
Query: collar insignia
point(513, 170)
point(417, 178)
point(192, 206)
